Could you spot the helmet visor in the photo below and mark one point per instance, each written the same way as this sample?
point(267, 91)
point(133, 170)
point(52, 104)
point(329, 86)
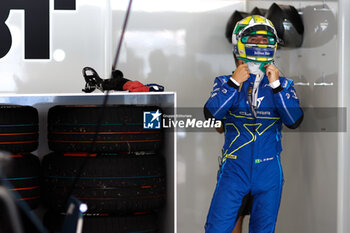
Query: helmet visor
point(259, 39)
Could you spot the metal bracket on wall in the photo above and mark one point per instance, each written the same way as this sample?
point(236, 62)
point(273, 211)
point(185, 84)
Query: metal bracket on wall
point(300, 83)
point(323, 83)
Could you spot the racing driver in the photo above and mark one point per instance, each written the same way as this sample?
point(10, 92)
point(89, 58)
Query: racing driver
point(252, 103)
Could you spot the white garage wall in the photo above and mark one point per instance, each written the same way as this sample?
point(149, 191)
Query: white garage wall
point(77, 36)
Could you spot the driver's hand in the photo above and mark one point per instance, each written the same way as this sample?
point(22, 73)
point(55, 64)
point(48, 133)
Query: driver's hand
point(272, 72)
point(220, 129)
point(241, 74)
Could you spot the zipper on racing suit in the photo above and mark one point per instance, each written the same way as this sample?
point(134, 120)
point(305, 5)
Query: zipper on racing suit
point(254, 114)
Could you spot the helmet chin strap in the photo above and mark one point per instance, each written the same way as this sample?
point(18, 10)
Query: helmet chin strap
point(262, 67)
point(257, 68)
point(254, 67)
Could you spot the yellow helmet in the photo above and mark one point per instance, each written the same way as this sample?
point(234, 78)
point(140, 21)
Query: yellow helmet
point(254, 25)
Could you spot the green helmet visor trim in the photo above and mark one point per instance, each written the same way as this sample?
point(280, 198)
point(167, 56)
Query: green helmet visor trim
point(239, 28)
point(249, 30)
point(256, 38)
point(248, 60)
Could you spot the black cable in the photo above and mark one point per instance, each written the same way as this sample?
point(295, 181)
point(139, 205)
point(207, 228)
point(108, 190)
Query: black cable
point(114, 66)
point(103, 108)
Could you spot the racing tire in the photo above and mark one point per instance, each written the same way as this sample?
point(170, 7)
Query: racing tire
point(73, 129)
point(145, 223)
point(23, 174)
point(18, 128)
point(108, 184)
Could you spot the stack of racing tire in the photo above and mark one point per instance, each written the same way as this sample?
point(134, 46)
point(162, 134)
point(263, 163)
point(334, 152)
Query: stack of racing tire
point(21, 173)
point(105, 158)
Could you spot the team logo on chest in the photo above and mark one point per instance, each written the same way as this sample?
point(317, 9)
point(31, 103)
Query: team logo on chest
point(259, 100)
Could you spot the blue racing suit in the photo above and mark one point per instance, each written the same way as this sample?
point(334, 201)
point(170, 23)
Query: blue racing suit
point(250, 163)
